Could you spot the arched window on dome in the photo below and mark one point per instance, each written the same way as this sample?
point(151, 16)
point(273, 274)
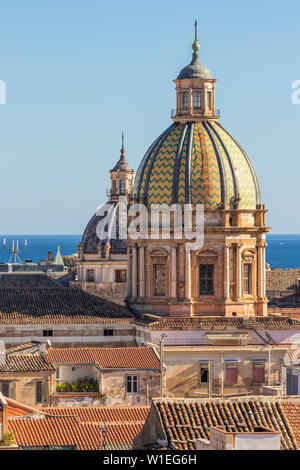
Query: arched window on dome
point(209, 100)
point(197, 100)
point(185, 100)
point(122, 187)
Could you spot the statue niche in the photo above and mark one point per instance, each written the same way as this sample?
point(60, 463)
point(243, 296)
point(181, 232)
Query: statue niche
point(159, 280)
point(159, 272)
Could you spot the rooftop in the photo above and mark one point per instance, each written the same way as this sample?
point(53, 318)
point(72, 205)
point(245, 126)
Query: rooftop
point(99, 414)
point(272, 322)
point(56, 305)
point(27, 280)
point(185, 420)
point(106, 358)
point(24, 363)
point(80, 426)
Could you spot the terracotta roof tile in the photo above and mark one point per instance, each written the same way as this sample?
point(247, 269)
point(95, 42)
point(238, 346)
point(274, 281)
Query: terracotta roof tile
point(184, 421)
point(24, 363)
point(16, 409)
point(56, 305)
point(27, 280)
point(99, 414)
point(21, 347)
point(217, 322)
point(106, 358)
point(69, 430)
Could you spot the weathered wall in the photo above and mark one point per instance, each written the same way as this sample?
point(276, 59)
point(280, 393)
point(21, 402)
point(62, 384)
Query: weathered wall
point(114, 387)
point(281, 280)
point(26, 384)
point(70, 335)
point(151, 432)
point(183, 371)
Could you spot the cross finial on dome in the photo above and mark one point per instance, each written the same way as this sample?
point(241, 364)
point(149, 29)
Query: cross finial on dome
point(196, 45)
point(122, 149)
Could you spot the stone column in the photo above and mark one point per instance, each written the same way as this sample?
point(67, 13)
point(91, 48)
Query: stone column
point(264, 270)
point(128, 274)
point(134, 271)
point(188, 274)
point(238, 276)
point(174, 272)
point(226, 272)
point(261, 270)
point(142, 271)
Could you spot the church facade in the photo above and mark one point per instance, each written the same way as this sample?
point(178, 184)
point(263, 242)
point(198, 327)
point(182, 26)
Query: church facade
point(196, 161)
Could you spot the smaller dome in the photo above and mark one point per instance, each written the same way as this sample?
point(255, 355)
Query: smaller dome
point(195, 69)
point(122, 164)
point(90, 240)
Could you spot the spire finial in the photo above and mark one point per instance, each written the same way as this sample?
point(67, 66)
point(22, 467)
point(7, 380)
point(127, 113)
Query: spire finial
point(196, 45)
point(122, 149)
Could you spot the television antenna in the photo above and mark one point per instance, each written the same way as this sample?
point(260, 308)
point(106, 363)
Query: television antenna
point(15, 250)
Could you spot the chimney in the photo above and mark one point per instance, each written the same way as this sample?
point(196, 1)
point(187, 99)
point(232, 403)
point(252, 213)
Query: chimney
point(260, 439)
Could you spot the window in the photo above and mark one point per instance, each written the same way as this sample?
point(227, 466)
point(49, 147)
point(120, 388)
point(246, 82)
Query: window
point(90, 275)
point(247, 271)
point(258, 373)
point(57, 373)
point(9, 389)
point(47, 333)
point(197, 99)
point(185, 100)
point(231, 373)
point(108, 332)
point(160, 280)
point(204, 375)
point(40, 392)
point(209, 100)
point(132, 384)
point(122, 187)
point(120, 275)
point(206, 273)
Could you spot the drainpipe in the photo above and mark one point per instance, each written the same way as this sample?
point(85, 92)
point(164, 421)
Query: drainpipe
point(101, 382)
point(269, 365)
point(162, 340)
point(222, 374)
point(210, 383)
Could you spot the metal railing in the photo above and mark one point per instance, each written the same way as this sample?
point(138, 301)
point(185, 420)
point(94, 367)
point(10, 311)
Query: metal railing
point(193, 112)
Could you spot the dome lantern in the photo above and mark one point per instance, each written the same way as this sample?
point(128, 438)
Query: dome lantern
point(122, 177)
point(195, 90)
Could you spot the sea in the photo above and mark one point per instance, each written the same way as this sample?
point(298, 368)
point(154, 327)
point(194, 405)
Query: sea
point(282, 251)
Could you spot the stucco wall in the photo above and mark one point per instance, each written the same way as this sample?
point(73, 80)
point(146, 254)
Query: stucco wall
point(183, 371)
point(114, 387)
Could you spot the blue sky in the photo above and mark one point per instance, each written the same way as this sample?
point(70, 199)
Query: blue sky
point(79, 73)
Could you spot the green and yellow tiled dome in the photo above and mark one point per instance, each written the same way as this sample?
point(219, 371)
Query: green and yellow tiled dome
point(197, 163)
